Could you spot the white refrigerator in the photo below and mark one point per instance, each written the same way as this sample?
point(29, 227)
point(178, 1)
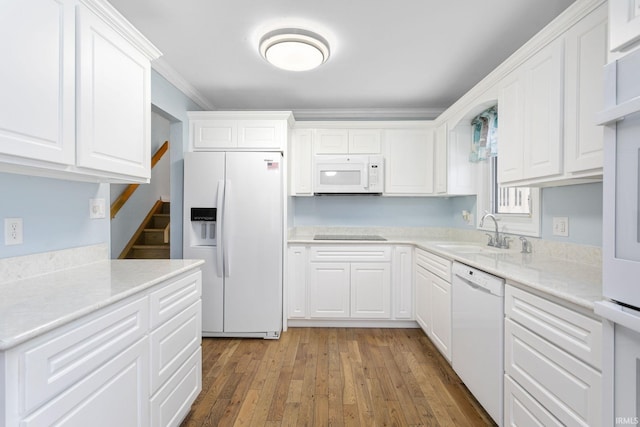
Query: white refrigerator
point(233, 219)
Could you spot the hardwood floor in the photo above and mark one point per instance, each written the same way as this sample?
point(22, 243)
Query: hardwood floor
point(331, 377)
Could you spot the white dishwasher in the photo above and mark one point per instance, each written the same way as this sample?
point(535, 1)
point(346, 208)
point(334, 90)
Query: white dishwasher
point(477, 335)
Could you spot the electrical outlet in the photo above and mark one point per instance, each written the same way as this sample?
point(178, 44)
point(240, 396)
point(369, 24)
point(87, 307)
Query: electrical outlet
point(561, 226)
point(12, 231)
point(96, 208)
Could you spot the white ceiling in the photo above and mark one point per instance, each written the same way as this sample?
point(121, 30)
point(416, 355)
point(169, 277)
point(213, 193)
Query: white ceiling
point(394, 58)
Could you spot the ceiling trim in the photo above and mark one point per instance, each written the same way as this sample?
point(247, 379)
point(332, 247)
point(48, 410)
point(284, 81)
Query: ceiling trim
point(367, 114)
point(169, 73)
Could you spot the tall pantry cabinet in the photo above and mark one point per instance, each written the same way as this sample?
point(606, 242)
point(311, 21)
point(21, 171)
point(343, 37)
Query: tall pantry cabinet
point(76, 92)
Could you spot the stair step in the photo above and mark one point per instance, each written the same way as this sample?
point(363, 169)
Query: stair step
point(151, 252)
point(166, 208)
point(153, 236)
point(160, 220)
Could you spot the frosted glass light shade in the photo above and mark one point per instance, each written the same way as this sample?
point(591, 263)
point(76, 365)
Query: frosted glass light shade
point(294, 49)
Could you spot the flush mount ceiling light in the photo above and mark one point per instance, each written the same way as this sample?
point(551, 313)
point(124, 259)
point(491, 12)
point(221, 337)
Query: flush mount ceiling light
point(294, 49)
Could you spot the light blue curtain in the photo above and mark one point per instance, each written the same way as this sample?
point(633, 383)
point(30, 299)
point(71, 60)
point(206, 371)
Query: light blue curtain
point(485, 135)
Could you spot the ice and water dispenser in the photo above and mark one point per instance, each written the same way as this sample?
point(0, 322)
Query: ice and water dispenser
point(203, 226)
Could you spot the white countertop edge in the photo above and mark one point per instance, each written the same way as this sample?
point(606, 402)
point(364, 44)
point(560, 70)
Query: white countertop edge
point(8, 343)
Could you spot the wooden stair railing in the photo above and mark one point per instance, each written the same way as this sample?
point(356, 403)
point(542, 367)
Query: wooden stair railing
point(131, 188)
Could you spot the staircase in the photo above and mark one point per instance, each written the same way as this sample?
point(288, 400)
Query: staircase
point(151, 240)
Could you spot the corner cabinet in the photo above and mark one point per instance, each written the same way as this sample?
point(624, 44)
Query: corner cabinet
point(83, 111)
point(547, 108)
point(136, 362)
point(348, 283)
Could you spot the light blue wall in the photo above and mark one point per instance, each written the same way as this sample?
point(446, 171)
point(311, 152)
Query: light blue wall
point(173, 105)
point(582, 204)
point(55, 213)
point(372, 211)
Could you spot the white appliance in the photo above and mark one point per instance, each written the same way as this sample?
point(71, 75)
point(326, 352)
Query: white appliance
point(477, 335)
point(347, 174)
point(621, 242)
point(233, 204)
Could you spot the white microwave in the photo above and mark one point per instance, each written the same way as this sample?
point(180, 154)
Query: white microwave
point(347, 174)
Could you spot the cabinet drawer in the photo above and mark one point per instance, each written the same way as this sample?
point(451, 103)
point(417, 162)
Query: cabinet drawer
point(436, 264)
point(350, 253)
point(62, 359)
point(565, 386)
point(175, 297)
point(173, 343)
point(520, 409)
point(173, 401)
point(574, 332)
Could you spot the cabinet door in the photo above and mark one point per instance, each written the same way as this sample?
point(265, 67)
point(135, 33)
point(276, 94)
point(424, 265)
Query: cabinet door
point(297, 282)
point(114, 102)
point(441, 314)
point(301, 162)
point(402, 266)
point(371, 290)
point(115, 394)
point(214, 134)
point(260, 134)
point(586, 45)
point(331, 141)
point(423, 298)
point(461, 173)
point(543, 104)
point(329, 289)
point(364, 141)
point(37, 80)
point(409, 161)
point(440, 164)
point(511, 134)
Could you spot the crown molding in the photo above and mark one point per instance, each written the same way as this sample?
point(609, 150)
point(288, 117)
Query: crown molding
point(176, 79)
point(366, 114)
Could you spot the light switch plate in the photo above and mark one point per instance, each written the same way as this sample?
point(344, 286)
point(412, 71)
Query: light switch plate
point(561, 226)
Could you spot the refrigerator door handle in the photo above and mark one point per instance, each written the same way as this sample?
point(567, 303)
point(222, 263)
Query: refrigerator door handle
point(225, 230)
point(219, 249)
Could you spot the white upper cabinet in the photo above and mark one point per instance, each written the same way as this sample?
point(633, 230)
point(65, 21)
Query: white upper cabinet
point(624, 24)
point(586, 54)
point(409, 157)
point(454, 173)
point(529, 108)
point(114, 100)
point(247, 130)
point(301, 158)
point(83, 111)
point(37, 105)
point(547, 108)
point(347, 141)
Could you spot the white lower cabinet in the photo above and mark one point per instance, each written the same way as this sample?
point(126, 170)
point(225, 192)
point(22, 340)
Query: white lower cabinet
point(123, 365)
point(552, 376)
point(433, 298)
point(330, 282)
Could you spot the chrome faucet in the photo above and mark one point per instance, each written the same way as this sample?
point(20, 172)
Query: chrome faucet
point(496, 241)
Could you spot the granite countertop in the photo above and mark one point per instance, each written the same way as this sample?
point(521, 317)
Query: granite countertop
point(32, 306)
point(575, 282)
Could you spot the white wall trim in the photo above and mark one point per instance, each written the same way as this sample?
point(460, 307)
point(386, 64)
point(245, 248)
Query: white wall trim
point(176, 79)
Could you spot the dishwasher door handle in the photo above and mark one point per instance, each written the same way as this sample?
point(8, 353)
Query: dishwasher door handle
point(477, 287)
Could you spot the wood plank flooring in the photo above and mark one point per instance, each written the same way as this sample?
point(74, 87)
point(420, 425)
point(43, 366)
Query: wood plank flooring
point(331, 377)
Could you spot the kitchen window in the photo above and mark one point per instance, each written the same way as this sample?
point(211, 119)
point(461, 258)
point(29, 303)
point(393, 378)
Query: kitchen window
point(517, 209)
